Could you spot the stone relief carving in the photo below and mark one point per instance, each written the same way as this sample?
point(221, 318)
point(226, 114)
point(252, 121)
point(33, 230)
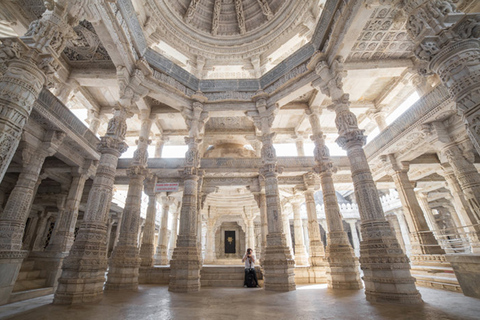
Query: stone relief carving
point(86, 46)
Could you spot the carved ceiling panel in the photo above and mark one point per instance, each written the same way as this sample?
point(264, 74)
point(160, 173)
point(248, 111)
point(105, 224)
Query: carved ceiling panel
point(383, 37)
point(87, 46)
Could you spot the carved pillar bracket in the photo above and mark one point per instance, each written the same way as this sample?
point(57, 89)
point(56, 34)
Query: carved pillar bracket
point(83, 271)
point(379, 241)
point(447, 40)
point(421, 237)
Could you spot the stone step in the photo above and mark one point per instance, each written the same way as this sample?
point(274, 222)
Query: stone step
point(223, 269)
point(29, 284)
point(221, 283)
point(34, 274)
point(222, 276)
point(30, 294)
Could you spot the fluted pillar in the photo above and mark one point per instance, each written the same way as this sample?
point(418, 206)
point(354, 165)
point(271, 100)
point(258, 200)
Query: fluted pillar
point(161, 256)
point(125, 260)
point(147, 249)
point(301, 258)
point(390, 281)
point(17, 209)
point(83, 271)
point(422, 239)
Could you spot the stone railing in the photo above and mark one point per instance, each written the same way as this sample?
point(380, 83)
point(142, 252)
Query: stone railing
point(390, 201)
point(418, 114)
point(347, 210)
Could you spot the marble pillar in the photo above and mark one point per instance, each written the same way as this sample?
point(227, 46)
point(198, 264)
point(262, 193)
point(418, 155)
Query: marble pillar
point(147, 249)
point(278, 263)
point(125, 260)
point(390, 281)
point(300, 146)
point(446, 41)
point(83, 271)
point(174, 233)
point(301, 258)
point(355, 239)
point(261, 200)
point(185, 264)
point(393, 220)
point(29, 61)
point(39, 242)
point(210, 255)
point(161, 256)
point(422, 239)
point(250, 234)
point(17, 209)
point(342, 265)
point(159, 144)
point(317, 250)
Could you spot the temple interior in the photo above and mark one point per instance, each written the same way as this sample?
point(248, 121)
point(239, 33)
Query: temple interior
point(146, 144)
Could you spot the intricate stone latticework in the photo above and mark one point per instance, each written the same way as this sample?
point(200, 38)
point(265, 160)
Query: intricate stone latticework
point(389, 280)
point(422, 238)
point(147, 250)
point(447, 40)
point(125, 260)
point(161, 256)
point(83, 271)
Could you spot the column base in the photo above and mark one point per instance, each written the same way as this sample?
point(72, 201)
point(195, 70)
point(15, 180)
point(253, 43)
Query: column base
point(123, 269)
point(278, 265)
point(184, 270)
point(147, 252)
point(10, 263)
point(425, 243)
point(386, 268)
point(83, 271)
point(342, 265)
point(51, 263)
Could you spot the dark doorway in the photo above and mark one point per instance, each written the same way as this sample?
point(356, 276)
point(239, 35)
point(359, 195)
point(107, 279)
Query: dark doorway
point(230, 242)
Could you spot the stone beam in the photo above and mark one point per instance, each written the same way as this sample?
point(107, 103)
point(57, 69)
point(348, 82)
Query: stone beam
point(95, 77)
point(381, 65)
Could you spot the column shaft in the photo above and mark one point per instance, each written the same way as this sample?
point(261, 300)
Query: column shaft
point(147, 250)
point(161, 257)
point(301, 258)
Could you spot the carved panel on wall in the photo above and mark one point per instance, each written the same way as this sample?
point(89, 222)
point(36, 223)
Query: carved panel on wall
point(384, 37)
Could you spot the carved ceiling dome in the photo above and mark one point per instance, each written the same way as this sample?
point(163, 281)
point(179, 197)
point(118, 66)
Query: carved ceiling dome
point(227, 17)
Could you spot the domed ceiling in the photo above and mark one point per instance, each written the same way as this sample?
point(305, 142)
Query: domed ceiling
point(204, 36)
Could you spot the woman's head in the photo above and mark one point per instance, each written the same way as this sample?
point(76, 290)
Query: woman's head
point(249, 250)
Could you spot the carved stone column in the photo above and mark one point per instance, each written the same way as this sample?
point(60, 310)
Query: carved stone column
point(287, 231)
point(391, 280)
point(300, 146)
point(392, 219)
point(94, 121)
point(317, 250)
point(250, 234)
point(422, 238)
point(174, 234)
point(462, 207)
point(356, 240)
point(342, 270)
point(159, 144)
point(447, 42)
point(31, 62)
point(379, 117)
point(161, 257)
point(301, 258)
point(39, 243)
point(147, 249)
point(125, 260)
point(17, 209)
point(405, 231)
point(83, 271)
point(261, 200)
point(210, 255)
point(185, 266)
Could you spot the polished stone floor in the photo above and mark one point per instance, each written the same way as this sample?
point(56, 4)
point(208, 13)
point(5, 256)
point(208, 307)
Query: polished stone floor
point(308, 302)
